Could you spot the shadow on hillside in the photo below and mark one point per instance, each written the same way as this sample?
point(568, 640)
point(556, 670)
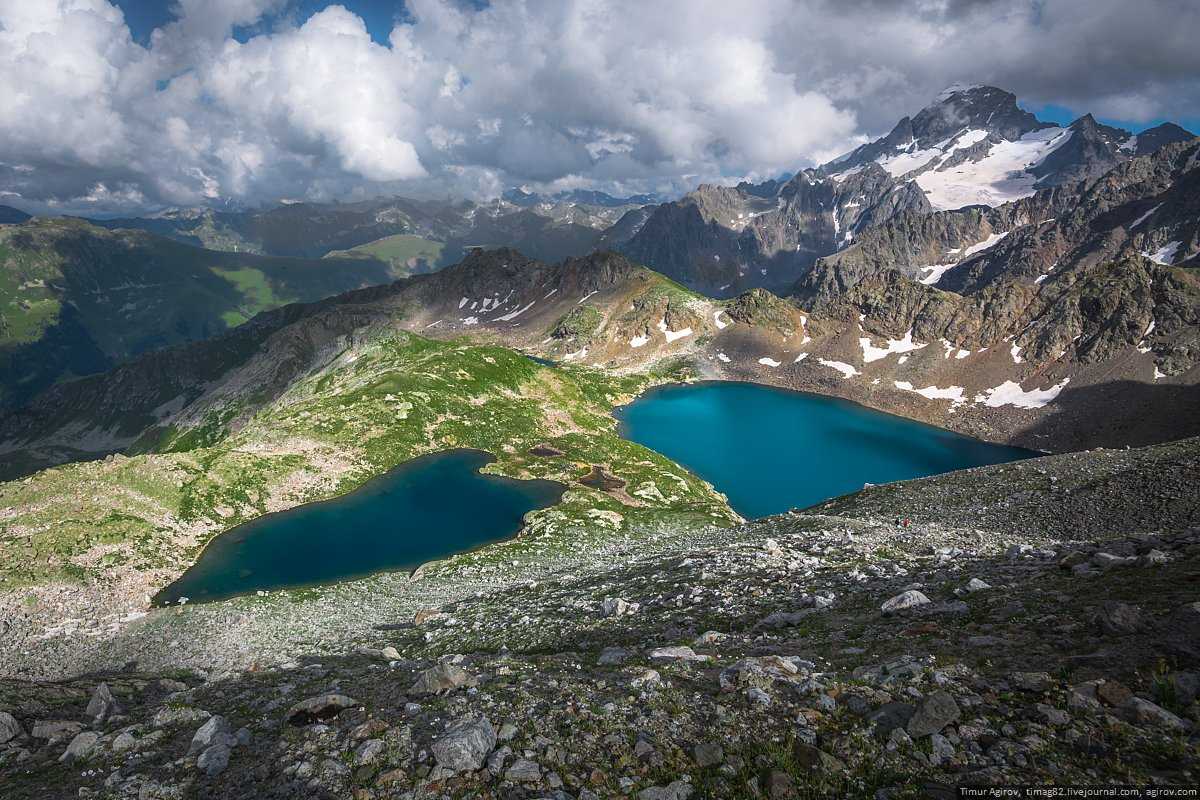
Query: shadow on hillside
point(1116, 414)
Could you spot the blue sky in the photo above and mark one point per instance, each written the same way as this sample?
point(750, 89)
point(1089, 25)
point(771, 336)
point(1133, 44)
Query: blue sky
point(1064, 116)
point(143, 16)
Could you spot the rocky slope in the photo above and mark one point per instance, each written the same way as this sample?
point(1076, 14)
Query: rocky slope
point(992, 626)
point(722, 240)
point(1109, 336)
point(973, 149)
point(76, 299)
point(975, 146)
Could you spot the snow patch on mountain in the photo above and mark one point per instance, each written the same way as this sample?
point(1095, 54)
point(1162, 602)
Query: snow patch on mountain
point(1010, 393)
point(873, 353)
point(999, 177)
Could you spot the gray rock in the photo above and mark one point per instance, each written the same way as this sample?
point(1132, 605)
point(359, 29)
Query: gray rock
point(123, 741)
point(1146, 713)
point(941, 750)
point(708, 754)
point(1120, 618)
point(314, 709)
point(103, 705)
point(1107, 561)
point(1031, 681)
point(816, 760)
point(55, 729)
point(465, 744)
point(81, 747)
point(934, 712)
point(1186, 686)
point(617, 607)
point(9, 727)
point(890, 716)
point(904, 601)
point(214, 760)
point(976, 585)
point(676, 790)
point(1182, 630)
point(523, 771)
point(442, 677)
point(216, 730)
point(679, 653)
point(390, 653)
point(1053, 716)
point(611, 656)
point(368, 751)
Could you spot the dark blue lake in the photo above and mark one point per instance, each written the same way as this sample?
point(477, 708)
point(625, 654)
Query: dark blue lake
point(422, 510)
point(770, 450)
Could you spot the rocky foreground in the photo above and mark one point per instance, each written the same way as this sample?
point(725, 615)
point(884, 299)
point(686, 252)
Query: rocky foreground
point(1035, 622)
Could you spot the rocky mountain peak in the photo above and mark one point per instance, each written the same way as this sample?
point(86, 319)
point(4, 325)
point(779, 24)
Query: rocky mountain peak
point(976, 107)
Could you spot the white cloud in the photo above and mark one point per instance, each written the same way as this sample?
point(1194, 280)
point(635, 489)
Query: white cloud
point(615, 93)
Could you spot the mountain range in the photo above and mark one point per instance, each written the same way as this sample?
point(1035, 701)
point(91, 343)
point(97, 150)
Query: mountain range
point(165, 380)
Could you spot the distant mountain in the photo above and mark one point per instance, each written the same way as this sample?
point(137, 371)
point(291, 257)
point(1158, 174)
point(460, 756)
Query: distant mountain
point(590, 197)
point(974, 146)
point(11, 216)
point(76, 299)
point(549, 230)
point(722, 240)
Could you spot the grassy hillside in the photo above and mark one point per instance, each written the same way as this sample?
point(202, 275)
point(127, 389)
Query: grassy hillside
point(76, 299)
point(390, 399)
point(406, 254)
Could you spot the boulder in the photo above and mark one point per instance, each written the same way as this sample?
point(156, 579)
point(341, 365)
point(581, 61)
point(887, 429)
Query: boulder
point(1119, 618)
point(679, 653)
point(103, 705)
point(1144, 712)
point(617, 607)
point(676, 790)
point(934, 712)
point(903, 602)
point(1182, 631)
point(214, 760)
point(465, 744)
point(216, 730)
point(442, 677)
point(81, 747)
point(523, 771)
point(314, 709)
point(9, 727)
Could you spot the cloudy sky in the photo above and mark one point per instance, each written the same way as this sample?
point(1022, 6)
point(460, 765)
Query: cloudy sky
point(124, 106)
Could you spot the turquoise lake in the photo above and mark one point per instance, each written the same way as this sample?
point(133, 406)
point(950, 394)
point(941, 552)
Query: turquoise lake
point(422, 510)
point(770, 450)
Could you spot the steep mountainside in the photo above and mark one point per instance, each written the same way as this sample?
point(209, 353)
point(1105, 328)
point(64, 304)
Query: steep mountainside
point(722, 240)
point(1103, 355)
point(972, 149)
point(76, 299)
point(975, 146)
